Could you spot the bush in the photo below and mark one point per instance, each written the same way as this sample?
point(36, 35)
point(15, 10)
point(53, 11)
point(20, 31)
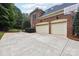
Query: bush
point(14, 30)
point(4, 28)
point(26, 24)
point(30, 30)
point(76, 23)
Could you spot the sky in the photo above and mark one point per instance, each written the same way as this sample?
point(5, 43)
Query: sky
point(29, 7)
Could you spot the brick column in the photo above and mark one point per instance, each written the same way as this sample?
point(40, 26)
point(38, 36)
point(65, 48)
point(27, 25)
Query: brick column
point(69, 26)
point(49, 27)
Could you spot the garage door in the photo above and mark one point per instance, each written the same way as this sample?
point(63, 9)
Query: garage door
point(59, 27)
point(42, 28)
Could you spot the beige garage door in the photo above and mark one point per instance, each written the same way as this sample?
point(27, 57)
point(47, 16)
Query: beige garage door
point(42, 28)
point(60, 28)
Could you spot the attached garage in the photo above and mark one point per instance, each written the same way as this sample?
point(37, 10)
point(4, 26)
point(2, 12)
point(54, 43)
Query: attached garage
point(42, 28)
point(59, 27)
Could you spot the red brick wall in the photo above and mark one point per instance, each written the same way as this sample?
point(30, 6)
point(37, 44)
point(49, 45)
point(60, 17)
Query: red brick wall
point(70, 33)
point(61, 16)
point(49, 19)
point(69, 26)
point(38, 13)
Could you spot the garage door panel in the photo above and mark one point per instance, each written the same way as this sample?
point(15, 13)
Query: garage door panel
point(59, 28)
point(42, 29)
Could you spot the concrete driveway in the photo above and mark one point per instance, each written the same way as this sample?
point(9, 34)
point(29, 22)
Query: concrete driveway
point(34, 44)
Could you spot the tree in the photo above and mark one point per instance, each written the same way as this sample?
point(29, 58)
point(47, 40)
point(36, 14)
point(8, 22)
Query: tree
point(11, 17)
point(4, 19)
point(9, 14)
point(26, 21)
point(76, 23)
point(18, 18)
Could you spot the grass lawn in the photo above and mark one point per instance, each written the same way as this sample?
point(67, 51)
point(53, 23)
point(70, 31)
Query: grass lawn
point(1, 34)
point(11, 30)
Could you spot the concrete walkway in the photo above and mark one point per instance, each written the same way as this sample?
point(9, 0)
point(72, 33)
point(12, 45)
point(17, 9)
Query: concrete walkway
point(26, 44)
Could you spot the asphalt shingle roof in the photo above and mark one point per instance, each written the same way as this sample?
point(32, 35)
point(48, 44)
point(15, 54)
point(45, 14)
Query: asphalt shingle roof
point(58, 7)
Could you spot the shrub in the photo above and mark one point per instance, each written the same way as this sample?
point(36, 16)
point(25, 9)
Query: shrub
point(76, 23)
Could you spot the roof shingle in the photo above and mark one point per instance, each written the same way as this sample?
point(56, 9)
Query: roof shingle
point(58, 7)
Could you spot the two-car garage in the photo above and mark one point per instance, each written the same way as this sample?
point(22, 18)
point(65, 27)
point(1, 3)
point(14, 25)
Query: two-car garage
point(58, 27)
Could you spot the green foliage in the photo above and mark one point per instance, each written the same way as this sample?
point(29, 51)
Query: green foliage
point(14, 30)
point(4, 19)
point(76, 23)
point(26, 21)
point(18, 18)
point(26, 24)
point(1, 34)
point(9, 16)
point(6, 16)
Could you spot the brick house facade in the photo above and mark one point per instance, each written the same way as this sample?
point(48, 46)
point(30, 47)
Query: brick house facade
point(51, 17)
point(34, 15)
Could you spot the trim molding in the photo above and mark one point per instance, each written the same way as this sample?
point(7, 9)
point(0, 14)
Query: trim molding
point(52, 14)
point(52, 22)
point(59, 21)
point(43, 23)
